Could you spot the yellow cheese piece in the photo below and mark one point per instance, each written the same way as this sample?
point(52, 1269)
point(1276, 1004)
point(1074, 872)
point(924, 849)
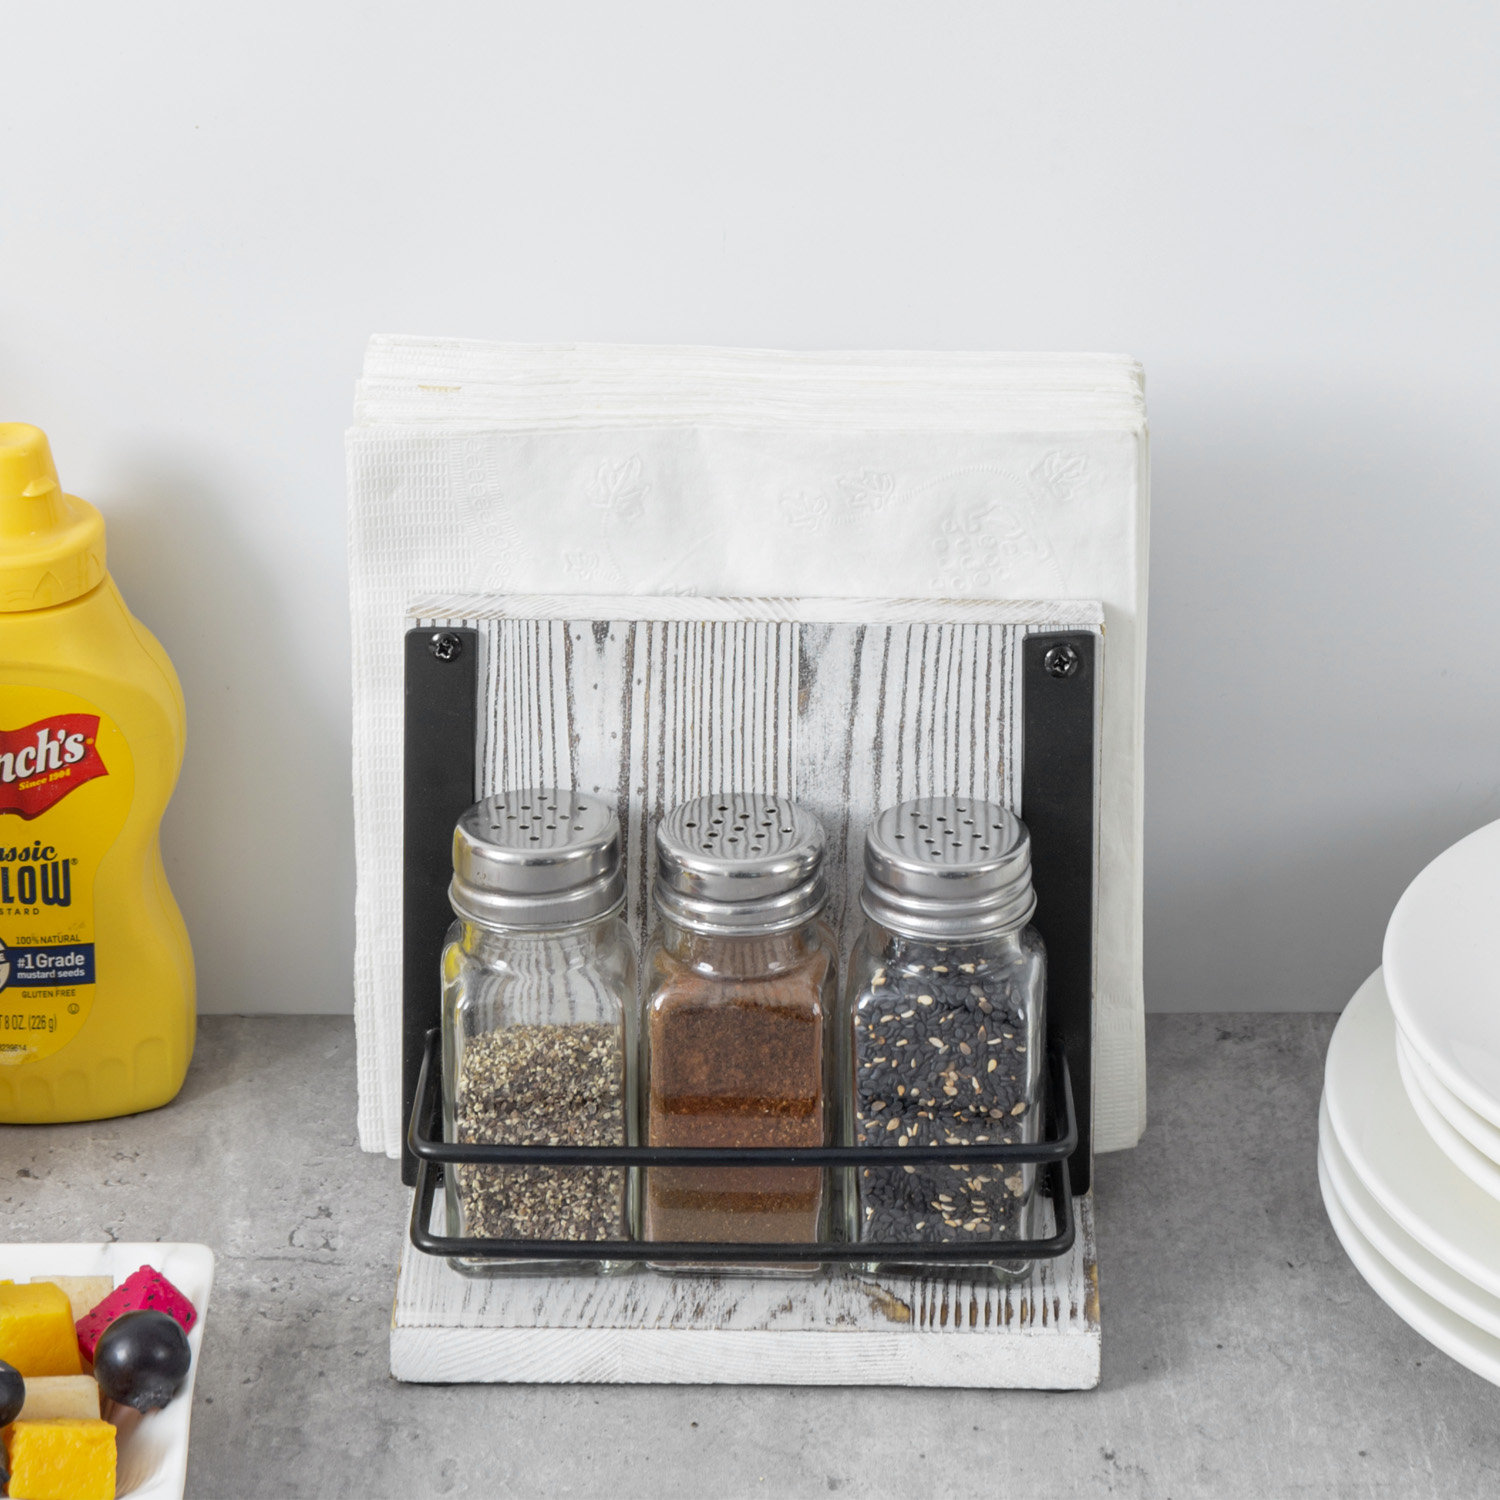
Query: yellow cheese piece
point(37, 1335)
point(62, 1460)
point(84, 1293)
point(49, 1397)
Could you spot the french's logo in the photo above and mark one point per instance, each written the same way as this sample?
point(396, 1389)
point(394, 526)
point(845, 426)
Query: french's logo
point(42, 763)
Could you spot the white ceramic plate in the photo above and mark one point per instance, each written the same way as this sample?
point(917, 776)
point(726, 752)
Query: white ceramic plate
point(1391, 1153)
point(1479, 1133)
point(1442, 968)
point(1475, 1165)
point(1426, 1272)
point(1459, 1340)
point(154, 1452)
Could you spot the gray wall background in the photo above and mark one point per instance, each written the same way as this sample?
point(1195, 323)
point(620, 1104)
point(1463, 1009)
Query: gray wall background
point(1288, 211)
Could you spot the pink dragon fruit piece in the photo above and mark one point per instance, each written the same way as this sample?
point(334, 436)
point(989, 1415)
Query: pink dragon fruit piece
point(142, 1289)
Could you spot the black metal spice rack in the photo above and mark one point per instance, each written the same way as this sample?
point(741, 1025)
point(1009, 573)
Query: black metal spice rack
point(1058, 787)
point(1051, 1154)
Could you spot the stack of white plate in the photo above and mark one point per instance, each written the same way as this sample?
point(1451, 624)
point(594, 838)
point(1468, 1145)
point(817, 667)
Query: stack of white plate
point(1409, 1132)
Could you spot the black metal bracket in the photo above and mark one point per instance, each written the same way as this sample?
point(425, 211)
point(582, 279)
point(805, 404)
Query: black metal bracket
point(1059, 681)
point(433, 1155)
point(442, 718)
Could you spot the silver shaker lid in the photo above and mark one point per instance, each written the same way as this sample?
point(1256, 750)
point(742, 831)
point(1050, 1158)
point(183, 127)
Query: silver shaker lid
point(948, 868)
point(537, 858)
point(739, 862)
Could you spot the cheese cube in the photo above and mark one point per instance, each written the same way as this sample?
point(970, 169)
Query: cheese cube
point(37, 1335)
point(61, 1460)
point(51, 1396)
point(84, 1292)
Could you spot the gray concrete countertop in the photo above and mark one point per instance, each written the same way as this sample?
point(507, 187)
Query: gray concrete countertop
point(1243, 1355)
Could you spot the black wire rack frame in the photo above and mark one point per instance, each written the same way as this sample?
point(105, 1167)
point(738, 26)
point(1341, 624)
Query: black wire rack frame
point(434, 1155)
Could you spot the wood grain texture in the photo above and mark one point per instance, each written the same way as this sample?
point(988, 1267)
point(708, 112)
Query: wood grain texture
point(841, 1328)
point(847, 705)
point(889, 712)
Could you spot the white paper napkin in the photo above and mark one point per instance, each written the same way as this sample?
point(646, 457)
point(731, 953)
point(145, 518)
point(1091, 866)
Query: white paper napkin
point(578, 469)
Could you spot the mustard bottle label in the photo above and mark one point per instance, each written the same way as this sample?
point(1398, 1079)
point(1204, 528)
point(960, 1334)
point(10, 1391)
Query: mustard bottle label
point(66, 782)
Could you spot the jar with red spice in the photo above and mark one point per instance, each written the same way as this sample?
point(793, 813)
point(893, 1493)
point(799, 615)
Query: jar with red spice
point(737, 1037)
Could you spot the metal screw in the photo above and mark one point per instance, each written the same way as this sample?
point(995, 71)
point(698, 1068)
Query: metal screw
point(446, 646)
point(1062, 660)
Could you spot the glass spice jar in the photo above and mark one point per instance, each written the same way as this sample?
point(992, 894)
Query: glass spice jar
point(539, 995)
point(742, 979)
point(946, 1023)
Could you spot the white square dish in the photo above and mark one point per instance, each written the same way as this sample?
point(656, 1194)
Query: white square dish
point(154, 1451)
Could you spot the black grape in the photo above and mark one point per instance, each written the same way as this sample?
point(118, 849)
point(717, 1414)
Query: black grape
point(142, 1359)
point(12, 1395)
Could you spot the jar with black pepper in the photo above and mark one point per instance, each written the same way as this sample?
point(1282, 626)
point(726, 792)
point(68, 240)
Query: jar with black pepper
point(741, 991)
point(945, 1024)
point(539, 994)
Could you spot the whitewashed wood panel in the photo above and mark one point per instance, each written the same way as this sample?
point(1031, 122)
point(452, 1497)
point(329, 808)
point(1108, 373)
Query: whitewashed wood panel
point(842, 1328)
point(652, 708)
point(892, 711)
point(645, 713)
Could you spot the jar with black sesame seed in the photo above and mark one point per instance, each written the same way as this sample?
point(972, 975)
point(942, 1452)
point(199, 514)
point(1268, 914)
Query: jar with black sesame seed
point(539, 1015)
point(945, 1026)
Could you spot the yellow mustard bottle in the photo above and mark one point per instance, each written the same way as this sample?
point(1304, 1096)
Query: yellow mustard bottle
point(97, 1011)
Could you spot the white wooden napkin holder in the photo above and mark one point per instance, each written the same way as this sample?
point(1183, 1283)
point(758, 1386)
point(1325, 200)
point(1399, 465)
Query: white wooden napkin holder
point(849, 706)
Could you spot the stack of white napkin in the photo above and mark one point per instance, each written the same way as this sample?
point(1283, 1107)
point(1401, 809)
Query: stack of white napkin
point(597, 469)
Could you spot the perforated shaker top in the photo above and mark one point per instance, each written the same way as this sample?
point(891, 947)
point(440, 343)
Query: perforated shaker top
point(539, 857)
point(740, 862)
point(948, 867)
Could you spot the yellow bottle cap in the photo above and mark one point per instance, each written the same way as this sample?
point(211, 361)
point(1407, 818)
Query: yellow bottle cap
point(51, 544)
